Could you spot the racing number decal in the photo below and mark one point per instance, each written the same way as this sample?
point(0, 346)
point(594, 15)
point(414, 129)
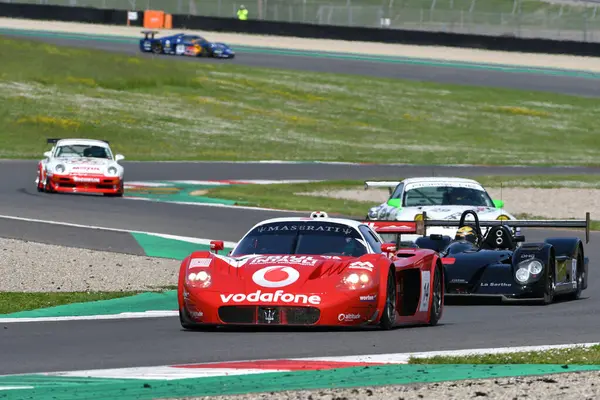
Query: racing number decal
point(425, 289)
point(179, 49)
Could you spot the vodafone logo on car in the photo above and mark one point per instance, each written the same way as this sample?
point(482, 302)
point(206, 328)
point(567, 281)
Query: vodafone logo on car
point(275, 276)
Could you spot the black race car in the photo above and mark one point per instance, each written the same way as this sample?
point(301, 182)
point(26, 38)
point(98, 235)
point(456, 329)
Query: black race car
point(501, 264)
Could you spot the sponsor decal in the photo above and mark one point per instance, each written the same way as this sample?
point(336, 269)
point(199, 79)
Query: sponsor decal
point(361, 265)
point(495, 284)
point(369, 297)
point(80, 179)
point(275, 276)
point(458, 280)
point(85, 168)
point(200, 262)
point(425, 289)
point(348, 317)
point(527, 256)
point(196, 314)
point(236, 263)
point(295, 260)
point(278, 296)
point(304, 227)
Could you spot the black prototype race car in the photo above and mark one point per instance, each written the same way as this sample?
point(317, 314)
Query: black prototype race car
point(504, 266)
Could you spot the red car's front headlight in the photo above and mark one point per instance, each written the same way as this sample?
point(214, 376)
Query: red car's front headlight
point(200, 280)
point(356, 281)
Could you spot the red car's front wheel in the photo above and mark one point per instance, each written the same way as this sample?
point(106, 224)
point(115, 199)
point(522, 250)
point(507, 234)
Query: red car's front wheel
point(388, 318)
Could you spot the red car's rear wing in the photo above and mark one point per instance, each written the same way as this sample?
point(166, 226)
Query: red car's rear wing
point(419, 227)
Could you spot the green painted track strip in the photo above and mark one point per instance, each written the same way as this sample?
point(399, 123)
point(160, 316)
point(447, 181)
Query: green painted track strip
point(331, 55)
point(64, 388)
point(156, 246)
point(154, 301)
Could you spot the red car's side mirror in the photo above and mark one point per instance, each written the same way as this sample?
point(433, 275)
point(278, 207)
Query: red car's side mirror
point(389, 248)
point(216, 245)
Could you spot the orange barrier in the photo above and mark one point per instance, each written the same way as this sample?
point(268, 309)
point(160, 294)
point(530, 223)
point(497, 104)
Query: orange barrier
point(154, 19)
point(168, 21)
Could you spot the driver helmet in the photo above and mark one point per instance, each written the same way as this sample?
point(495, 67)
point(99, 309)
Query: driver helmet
point(466, 233)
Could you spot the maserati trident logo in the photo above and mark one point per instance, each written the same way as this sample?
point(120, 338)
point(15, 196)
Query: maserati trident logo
point(269, 315)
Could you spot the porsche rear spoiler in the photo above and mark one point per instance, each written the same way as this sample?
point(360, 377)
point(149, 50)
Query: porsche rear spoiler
point(55, 140)
point(420, 227)
point(390, 185)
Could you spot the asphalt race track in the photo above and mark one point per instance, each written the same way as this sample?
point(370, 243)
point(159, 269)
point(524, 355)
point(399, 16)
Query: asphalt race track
point(52, 346)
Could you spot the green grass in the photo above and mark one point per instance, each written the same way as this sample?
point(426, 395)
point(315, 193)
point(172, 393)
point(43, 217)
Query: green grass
point(19, 301)
point(161, 109)
point(576, 355)
point(283, 196)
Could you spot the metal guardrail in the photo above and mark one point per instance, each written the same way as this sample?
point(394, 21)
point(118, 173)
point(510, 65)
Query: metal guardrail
point(576, 20)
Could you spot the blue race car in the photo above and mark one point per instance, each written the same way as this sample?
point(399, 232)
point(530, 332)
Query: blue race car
point(184, 44)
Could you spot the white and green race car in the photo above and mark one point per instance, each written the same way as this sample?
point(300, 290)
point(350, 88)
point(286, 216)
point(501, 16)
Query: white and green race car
point(440, 198)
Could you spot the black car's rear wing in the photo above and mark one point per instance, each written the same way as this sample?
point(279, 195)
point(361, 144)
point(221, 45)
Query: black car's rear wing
point(149, 34)
point(420, 227)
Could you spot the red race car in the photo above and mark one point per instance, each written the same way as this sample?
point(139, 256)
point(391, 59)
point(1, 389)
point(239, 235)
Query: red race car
point(312, 271)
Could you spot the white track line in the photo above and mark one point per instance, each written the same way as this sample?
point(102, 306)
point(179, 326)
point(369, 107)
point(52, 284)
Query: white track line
point(125, 315)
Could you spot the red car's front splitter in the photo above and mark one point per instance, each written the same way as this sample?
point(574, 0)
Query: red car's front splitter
point(85, 184)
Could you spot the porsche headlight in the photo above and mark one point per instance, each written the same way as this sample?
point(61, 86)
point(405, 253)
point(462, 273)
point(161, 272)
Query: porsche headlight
point(502, 218)
point(111, 170)
point(373, 212)
point(59, 169)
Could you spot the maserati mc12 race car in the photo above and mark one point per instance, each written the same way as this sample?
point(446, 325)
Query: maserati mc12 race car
point(183, 44)
point(80, 166)
point(314, 271)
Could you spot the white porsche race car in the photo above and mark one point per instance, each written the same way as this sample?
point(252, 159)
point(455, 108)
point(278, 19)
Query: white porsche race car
point(80, 166)
point(440, 198)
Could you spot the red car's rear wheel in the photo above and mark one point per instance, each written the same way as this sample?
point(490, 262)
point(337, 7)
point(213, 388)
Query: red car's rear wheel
point(438, 296)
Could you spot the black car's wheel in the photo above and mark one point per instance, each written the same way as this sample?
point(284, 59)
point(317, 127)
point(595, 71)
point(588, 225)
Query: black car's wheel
point(388, 319)
point(579, 277)
point(157, 48)
point(550, 282)
point(438, 296)
point(205, 52)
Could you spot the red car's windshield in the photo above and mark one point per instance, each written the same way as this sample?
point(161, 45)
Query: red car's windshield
point(302, 237)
